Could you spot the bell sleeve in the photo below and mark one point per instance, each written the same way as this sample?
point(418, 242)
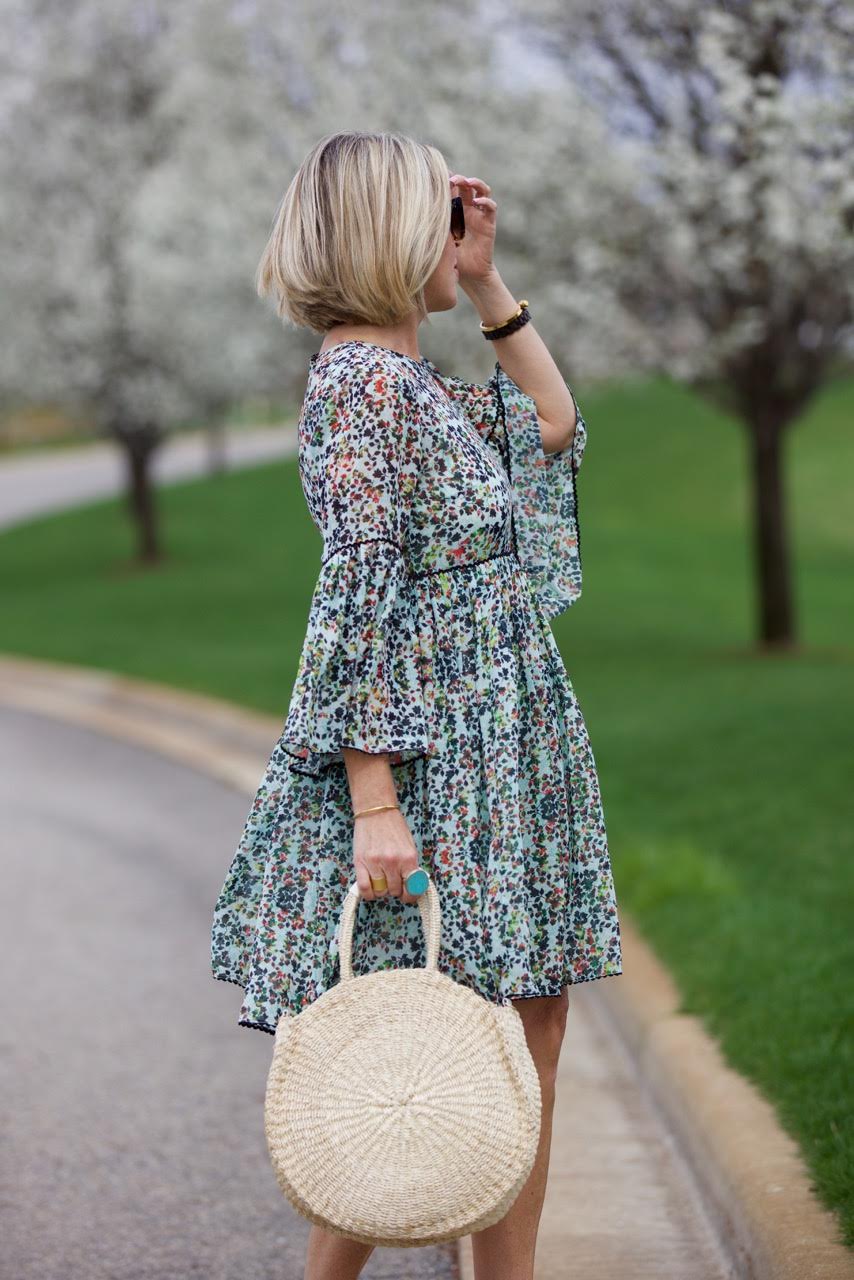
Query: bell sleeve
point(546, 523)
point(359, 678)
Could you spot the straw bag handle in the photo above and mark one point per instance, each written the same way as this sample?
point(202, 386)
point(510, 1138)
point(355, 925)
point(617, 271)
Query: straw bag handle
point(431, 920)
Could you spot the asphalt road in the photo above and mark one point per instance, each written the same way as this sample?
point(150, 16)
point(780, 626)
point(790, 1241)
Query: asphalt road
point(49, 480)
point(133, 1144)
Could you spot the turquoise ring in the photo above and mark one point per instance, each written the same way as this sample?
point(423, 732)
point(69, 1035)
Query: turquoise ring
point(416, 882)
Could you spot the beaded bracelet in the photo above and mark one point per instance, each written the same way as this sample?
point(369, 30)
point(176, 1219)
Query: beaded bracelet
point(519, 317)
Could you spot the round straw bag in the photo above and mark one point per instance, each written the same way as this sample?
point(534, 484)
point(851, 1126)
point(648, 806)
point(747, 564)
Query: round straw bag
point(402, 1108)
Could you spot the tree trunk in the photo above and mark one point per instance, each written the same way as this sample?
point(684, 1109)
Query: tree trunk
point(139, 450)
point(216, 438)
point(770, 540)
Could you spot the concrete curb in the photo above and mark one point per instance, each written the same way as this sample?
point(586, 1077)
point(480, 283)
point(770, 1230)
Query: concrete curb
point(754, 1180)
point(751, 1173)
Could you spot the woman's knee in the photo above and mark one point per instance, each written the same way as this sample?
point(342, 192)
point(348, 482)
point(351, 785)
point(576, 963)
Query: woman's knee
point(544, 1019)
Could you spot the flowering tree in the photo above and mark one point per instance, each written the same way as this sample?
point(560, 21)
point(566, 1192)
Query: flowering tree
point(127, 266)
point(144, 149)
point(675, 195)
point(734, 250)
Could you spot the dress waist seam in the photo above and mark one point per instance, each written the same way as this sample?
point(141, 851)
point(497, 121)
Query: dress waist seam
point(469, 564)
point(423, 573)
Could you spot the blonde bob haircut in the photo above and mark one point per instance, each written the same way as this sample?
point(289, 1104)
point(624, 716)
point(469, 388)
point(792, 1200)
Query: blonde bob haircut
point(358, 232)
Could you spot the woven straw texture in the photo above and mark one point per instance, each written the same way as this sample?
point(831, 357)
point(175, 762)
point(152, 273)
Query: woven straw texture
point(402, 1108)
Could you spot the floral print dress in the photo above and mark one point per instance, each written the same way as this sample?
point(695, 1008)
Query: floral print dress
point(450, 539)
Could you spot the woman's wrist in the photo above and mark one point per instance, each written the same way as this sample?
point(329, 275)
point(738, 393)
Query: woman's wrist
point(369, 811)
point(492, 299)
point(370, 778)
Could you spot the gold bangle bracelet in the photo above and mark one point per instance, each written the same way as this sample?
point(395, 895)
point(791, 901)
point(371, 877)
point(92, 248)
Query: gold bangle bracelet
point(374, 808)
point(489, 328)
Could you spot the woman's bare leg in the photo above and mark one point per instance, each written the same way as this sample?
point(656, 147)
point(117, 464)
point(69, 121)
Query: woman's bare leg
point(505, 1251)
point(332, 1257)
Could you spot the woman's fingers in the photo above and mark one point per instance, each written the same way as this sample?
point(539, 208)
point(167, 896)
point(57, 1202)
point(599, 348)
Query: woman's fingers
point(392, 875)
point(459, 179)
point(363, 880)
point(470, 186)
point(393, 868)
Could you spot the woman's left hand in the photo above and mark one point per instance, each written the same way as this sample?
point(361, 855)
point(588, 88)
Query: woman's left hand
point(475, 250)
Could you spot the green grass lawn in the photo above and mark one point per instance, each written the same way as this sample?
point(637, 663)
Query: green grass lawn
point(726, 776)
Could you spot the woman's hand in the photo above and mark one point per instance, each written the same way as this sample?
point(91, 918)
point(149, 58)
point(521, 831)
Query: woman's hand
point(383, 846)
point(475, 250)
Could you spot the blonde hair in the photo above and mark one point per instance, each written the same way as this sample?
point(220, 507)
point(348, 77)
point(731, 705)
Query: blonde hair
point(358, 232)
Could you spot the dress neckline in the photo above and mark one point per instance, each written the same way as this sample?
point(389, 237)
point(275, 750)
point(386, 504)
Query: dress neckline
point(423, 362)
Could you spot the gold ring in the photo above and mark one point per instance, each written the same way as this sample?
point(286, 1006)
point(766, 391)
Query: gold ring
point(379, 883)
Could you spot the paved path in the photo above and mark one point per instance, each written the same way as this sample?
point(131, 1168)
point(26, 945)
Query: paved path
point(35, 484)
point(133, 1144)
point(620, 1203)
point(134, 1139)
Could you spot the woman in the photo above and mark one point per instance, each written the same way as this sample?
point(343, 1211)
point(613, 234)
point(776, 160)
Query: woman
point(432, 723)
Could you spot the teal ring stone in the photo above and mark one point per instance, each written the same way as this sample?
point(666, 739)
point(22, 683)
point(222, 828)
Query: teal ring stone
point(417, 881)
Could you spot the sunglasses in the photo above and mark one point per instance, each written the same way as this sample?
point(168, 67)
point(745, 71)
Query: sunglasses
point(458, 218)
